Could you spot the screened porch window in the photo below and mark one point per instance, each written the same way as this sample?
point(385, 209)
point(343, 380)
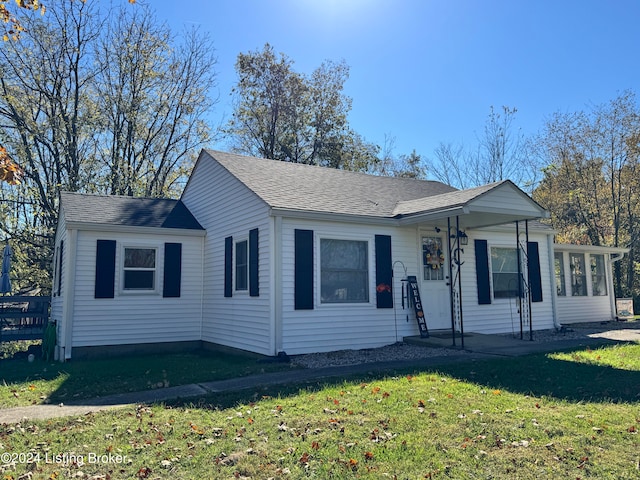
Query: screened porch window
point(578, 275)
point(139, 269)
point(504, 272)
point(598, 276)
point(344, 271)
point(559, 271)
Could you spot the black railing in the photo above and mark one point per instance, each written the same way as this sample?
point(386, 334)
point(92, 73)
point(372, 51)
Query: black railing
point(23, 317)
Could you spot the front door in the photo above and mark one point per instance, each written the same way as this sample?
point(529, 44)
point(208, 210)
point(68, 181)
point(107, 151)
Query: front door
point(434, 289)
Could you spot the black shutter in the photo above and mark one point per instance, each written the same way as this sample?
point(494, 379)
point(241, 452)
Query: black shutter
point(172, 270)
point(228, 266)
point(482, 272)
point(254, 284)
point(303, 270)
point(384, 274)
point(105, 269)
point(535, 277)
point(59, 271)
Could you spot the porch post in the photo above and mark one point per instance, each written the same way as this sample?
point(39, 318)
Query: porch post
point(453, 318)
point(526, 227)
point(459, 264)
point(520, 276)
point(455, 280)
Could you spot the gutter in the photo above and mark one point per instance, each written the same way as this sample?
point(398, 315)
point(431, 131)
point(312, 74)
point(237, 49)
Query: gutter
point(105, 227)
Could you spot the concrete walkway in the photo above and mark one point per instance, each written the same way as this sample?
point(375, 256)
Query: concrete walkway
point(476, 347)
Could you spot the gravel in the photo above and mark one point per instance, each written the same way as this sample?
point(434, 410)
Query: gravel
point(403, 351)
point(397, 351)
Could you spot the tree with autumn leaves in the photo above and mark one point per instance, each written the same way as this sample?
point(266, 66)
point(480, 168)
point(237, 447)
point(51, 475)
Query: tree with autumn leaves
point(590, 180)
point(95, 98)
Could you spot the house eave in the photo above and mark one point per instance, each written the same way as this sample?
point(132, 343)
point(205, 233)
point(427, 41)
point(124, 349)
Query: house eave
point(566, 247)
point(332, 217)
point(105, 227)
point(432, 216)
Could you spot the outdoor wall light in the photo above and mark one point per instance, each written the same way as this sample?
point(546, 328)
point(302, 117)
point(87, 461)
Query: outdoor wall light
point(462, 237)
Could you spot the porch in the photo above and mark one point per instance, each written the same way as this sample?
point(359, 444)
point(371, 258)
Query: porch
point(590, 334)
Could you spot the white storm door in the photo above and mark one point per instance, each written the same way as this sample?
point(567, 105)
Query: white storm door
point(434, 276)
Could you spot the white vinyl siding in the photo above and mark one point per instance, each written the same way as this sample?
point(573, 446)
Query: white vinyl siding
point(501, 316)
point(225, 207)
point(136, 319)
point(57, 301)
point(356, 326)
point(350, 325)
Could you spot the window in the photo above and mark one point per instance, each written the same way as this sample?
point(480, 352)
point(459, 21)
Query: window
point(344, 271)
point(578, 275)
point(432, 258)
point(242, 265)
point(559, 270)
point(504, 269)
point(598, 276)
point(139, 268)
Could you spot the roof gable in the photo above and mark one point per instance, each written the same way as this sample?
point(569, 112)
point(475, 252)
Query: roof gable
point(116, 210)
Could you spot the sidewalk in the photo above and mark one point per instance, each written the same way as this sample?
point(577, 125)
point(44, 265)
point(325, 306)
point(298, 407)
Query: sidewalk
point(476, 347)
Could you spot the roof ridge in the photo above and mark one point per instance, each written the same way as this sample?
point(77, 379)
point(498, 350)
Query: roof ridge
point(213, 152)
point(108, 195)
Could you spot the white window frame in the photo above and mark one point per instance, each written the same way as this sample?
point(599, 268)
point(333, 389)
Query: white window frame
point(368, 240)
point(595, 274)
point(493, 290)
point(156, 270)
point(437, 274)
point(56, 268)
point(236, 241)
point(561, 277)
point(583, 275)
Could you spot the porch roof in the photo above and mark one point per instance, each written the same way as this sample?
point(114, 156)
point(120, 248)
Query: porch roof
point(492, 204)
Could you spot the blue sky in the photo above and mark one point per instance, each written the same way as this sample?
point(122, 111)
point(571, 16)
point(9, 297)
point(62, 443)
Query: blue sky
point(427, 71)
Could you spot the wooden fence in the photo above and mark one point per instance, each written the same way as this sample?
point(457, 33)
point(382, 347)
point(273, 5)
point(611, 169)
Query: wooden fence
point(23, 317)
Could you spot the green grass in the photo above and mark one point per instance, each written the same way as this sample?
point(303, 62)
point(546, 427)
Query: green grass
point(516, 418)
point(23, 383)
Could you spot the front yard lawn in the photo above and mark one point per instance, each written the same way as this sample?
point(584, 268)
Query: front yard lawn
point(23, 383)
point(521, 418)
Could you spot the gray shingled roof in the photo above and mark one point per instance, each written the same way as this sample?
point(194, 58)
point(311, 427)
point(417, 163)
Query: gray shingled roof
point(318, 189)
point(127, 211)
point(444, 200)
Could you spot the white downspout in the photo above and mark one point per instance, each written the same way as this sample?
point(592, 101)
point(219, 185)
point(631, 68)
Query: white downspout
point(552, 275)
point(276, 285)
point(203, 241)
